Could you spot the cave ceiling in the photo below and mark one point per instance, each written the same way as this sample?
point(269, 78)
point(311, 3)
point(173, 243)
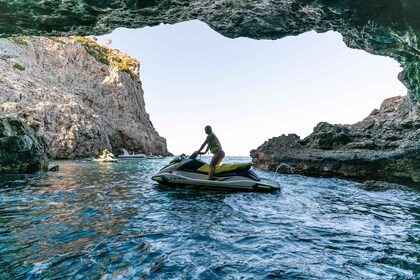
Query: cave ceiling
point(382, 27)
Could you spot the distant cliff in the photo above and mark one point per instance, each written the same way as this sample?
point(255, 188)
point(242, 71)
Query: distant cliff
point(82, 96)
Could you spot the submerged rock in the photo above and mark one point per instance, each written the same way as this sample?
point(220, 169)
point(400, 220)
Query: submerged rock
point(379, 186)
point(21, 149)
point(54, 168)
point(384, 146)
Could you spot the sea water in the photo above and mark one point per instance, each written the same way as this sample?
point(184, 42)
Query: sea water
point(111, 221)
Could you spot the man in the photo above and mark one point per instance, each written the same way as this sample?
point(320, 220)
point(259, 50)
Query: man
point(215, 148)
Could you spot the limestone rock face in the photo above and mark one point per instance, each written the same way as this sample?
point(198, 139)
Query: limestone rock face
point(383, 27)
point(388, 28)
point(79, 104)
point(21, 149)
point(385, 146)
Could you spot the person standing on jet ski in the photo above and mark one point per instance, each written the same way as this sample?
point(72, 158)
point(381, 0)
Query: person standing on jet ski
point(215, 148)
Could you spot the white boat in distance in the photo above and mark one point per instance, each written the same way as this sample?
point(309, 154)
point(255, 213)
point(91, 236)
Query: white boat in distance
point(106, 159)
point(133, 155)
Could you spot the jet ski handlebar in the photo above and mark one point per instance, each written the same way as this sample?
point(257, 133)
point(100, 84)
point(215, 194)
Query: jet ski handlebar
point(194, 155)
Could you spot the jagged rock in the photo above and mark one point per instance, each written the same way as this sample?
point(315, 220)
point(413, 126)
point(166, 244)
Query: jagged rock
point(384, 146)
point(21, 150)
point(387, 28)
point(81, 105)
point(327, 136)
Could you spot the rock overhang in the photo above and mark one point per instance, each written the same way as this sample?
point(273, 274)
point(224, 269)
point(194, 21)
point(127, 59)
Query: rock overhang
point(387, 28)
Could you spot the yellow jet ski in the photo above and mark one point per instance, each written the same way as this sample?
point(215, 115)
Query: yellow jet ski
point(192, 173)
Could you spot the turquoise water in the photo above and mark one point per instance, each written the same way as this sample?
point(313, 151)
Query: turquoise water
point(111, 221)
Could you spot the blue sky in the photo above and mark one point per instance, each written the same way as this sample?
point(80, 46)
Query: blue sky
point(251, 90)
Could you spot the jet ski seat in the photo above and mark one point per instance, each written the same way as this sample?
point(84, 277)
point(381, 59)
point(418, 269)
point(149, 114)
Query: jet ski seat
point(226, 167)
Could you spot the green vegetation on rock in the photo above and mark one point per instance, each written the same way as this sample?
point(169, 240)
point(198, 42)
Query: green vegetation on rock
point(19, 40)
point(18, 67)
point(107, 55)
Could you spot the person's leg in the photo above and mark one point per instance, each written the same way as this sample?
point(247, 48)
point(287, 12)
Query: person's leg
point(211, 172)
point(221, 157)
point(217, 158)
point(212, 166)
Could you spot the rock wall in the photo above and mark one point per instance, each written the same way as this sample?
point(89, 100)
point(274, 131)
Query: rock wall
point(80, 104)
point(385, 146)
point(382, 27)
point(21, 149)
point(388, 28)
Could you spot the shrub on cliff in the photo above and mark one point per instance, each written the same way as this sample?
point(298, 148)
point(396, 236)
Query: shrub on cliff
point(18, 67)
point(107, 55)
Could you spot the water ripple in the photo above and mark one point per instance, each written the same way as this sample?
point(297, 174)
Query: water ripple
point(111, 221)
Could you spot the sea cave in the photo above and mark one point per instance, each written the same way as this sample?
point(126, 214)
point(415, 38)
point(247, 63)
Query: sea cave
point(388, 28)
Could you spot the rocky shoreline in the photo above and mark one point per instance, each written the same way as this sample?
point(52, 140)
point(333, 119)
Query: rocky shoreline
point(385, 146)
point(80, 96)
point(386, 28)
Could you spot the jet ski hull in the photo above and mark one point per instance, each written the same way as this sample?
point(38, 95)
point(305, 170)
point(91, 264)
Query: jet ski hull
point(191, 180)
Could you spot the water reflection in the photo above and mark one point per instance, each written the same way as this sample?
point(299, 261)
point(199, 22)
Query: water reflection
point(108, 221)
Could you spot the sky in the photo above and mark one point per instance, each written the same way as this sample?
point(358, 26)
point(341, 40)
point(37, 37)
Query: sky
point(251, 90)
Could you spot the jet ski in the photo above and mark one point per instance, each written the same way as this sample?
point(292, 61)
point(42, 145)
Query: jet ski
point(192, 173)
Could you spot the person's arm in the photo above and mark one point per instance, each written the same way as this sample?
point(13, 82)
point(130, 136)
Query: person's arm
point(207, 149)
point(208, 139)
point(202, 146)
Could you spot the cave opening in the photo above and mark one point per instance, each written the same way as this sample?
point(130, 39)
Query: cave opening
point(251, 90)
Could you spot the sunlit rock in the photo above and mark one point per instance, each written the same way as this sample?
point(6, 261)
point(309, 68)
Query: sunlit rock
point(83, 97)
point(387, 28)
point(384, 147)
